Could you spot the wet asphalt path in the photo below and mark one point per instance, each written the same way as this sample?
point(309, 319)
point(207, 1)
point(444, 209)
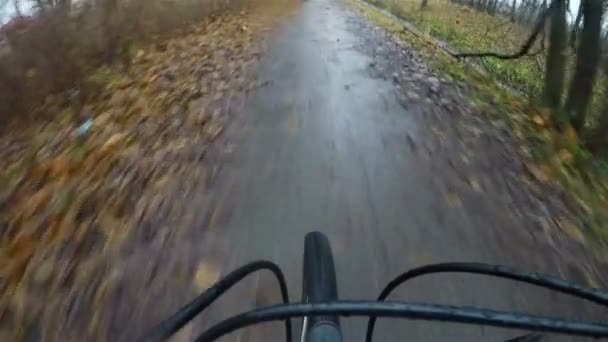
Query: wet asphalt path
point(322, 147)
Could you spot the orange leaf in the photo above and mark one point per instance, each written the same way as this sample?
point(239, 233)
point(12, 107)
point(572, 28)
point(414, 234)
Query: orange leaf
point(539, 121)
point(60, 166)
point(21, 247)
point(38, 201)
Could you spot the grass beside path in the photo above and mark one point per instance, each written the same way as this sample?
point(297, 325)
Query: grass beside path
point(468, 30)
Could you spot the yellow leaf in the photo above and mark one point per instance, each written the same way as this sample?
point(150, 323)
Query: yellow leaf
point(571, 230)
point(205, 276)
point(30, 73)
point(213, 130)
point(113, 142)
point(453, 199)
point(152, 78)
point(570, 136)
point(539, 174)
point(475, 185)
point(539, 121)
point(102, 120)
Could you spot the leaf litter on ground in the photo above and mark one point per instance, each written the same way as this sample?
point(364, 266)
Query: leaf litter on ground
point(73, 189)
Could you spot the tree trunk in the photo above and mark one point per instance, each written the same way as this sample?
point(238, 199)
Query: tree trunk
point(513, 7)
point(521, 13)
point(40, 6)
point(110, 29)
point(17, 8)
point(12, 95)
point(597, 139)
point(491, 8)
point(587, 58)
point(554, 71)
point(576, 25)
point(481, 5)
point(529, 13)
point(424, 4)
point(535, 9)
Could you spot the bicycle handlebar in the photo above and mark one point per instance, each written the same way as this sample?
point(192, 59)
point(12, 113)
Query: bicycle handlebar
point(537, 279)
point(407, 310)
point(373, 309)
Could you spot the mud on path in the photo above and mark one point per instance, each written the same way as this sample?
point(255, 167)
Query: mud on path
point(344, 130)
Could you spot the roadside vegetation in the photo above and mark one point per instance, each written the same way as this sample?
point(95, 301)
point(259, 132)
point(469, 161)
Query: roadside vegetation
point(542, 74)
point(465, 29)
point(107, 109)
point(55, 46)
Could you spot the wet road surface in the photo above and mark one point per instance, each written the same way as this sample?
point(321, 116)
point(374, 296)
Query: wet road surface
point(324, 146)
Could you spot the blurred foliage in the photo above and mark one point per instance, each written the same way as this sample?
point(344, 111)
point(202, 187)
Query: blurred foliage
point(61, 47)
point(91, 174)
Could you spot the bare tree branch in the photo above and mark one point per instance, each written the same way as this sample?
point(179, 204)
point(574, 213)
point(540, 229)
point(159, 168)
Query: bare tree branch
point(17, 7)
point(538, 28)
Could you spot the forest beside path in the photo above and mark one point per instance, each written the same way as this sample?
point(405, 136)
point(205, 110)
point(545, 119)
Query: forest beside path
point(224, 138)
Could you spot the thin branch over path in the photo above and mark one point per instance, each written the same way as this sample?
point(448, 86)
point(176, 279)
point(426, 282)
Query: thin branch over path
point(538, 28)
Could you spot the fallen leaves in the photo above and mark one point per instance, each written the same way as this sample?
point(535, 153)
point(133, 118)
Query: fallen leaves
point(571, 230)
point(112, 143)
point(212, 131)
point(77, 189)
point(475, 185)
point(539, 121)
point(453, 200)
point(565, 156)
point(37, 201)
point(205, 276)
point(570, 137)
point(538, 173)
point(43, 272)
